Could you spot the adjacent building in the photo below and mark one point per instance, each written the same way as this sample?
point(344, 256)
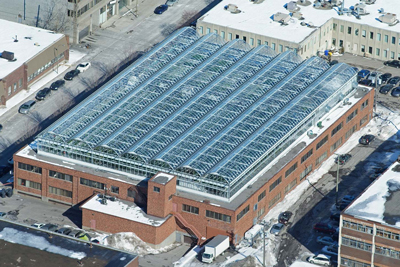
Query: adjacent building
point(198, 137)
point(308, 28)
point(370, 226)
point(27, 53)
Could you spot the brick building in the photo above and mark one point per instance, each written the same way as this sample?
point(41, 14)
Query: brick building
point(369, 227)
point(166, 136)
point(35, 53)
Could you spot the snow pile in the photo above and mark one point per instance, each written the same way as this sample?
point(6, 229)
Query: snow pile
point(302, 264)
point(26, 239)
point(131, 242)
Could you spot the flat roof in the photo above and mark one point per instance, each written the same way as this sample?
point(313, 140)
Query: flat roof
point(122, 209)
point(256, 18)
point(380, 201)
point(31, 41)
point(23, 246)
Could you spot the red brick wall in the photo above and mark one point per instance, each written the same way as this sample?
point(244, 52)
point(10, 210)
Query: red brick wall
point(12, 78)
point(159, 203)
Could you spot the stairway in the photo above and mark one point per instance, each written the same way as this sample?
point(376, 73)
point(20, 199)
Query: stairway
point(189, 227)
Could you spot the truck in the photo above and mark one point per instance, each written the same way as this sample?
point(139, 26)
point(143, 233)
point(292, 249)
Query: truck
point(214, 248)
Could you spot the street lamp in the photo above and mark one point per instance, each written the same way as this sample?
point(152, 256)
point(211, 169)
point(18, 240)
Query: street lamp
point(56, 49)
point(337, 177)
point(264, 224)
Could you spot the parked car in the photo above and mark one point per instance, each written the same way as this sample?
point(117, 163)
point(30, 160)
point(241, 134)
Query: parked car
point(171, 2)
point(348, 198)
point(64, 230)
point(1, 127)
point(57, 84)
point(276, 228)
point(342, 205)
point(386, 89)
point(395, 92)
point(42, 94)
point(160, 9)
point(375, 77)
point(392, 63)
point(356, 69)
point(84, 236)
point(394, 80)
point(83, 66)
point(385, 77)
point(365, 82)
point(10, 161)
point(4, 169)
point(335, 216)
point(320, 259)
point(342, 159)
point(3, 215)
point(75, 232)
point(324, 228)
point(326, 240)
point(284, 217)
point(330, 250)
point(38, 225)
point(363, 74)
point(24, 108)
point(366, 139)
point(71, 74)
point(49, 227)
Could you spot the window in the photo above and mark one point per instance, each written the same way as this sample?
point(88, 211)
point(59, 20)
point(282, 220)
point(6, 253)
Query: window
point(337, 129)
point(363, 120)
point(334, 26)
point(348, 30)
point(364, 33)
point(370, 49)
point(280, 48)
point(60, 175)
point(216, 31)
point(258, 42)
point(387, 234)
point(352, 263)
point(356, 244)
point(341, 28)
point(371, 35)
point(255, 206)
point(364, 104)
point(91, 183)
point(115, 189)
point(387, 252)
point(321, 158)
point(190, 209)
point(306, 156)
point(261, 196)
point(131, 193)
point(242, 213)
point(351, 116)
point(201, 29)
point(266, 43)
point(378, 52)
point(386, 38)
point(351, 131)
point(237, 36)
point(260, 212)
point(251, 41)
point(60, 192)
point(341, 43)
point(156, 189)
point(15, 87)
point(218, 216)
point(336, 144)
point(244, 38)
point(363, 48)
point(275, 184)
point(356, 31)
point(29, 184)
point(392, 55)
point(290, 186)
point(358, 227)
point(29, 168)
point(290, 170)
point(9, 90)
point(304, 173)
point(334, 41)
point(20, 83)
point(274, 200)
point(208, 30)
point(321, 143)
point(230, 36)
point(393, 40)
point(223, 35)
point(273, 46)
point(385, 53)
point(378, 37)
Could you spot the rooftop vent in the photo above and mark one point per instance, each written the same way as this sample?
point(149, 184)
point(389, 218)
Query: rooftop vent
point(103, 201)
point(369, 2)
point(389, 18)
point(297, 15)
point(7, 55)
point(359, 10)
point(282, 18)
point(292, 6)
point(346, 101)
point(232, 8)
point(303, 2)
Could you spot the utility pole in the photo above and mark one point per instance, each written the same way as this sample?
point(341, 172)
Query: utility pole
point(24, 8)
point(337, 178)
point(37, 18)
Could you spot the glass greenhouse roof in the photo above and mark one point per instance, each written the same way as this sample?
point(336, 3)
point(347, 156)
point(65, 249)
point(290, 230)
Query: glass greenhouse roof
point(197, 107)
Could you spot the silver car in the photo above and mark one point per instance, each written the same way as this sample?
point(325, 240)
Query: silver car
point(276, 228)
point(24, 108)
point(75, 233)
point(171, 2)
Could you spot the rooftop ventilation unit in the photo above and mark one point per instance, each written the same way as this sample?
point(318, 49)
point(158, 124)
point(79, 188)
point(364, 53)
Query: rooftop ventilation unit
point(232, 8)
point(303, 2)
point(7, 55)
point(297, 15)
point(282, 18)
point(292, 6)
point(359, 10)
point(389, 18)
point(369, 2)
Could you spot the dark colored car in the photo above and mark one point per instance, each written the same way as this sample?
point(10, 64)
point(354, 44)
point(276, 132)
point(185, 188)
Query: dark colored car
point(57, 84)
point(396, 92)
point(392, 63)
point(343, 159)
point(1, 127)
point(71, 74)
point(50, 227)
point(42, 94)
point(342, 205)
point(363, 74)
point(324, 228)
point(365, 82)
point(64, 230)
point(394, 80)
point(160, 9)
point(335, 216)
point(385, 77)
point(386, 89)
point(366, 139)
point(284, 217)
point(4, 169)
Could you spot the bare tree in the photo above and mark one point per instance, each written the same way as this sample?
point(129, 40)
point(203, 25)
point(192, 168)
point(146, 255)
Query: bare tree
point(167, 29)
point(36, 116)
point(189, 15)
point(55, 16)
point(4, 143)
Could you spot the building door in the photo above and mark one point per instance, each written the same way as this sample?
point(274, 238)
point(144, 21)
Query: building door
point(103, 15)
point(348, 46)
point(355, 48)
point(93, 224)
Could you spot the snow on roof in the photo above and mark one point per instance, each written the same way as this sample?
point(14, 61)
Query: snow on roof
point(162, 178)
point(26, 48)
point(257, 18)
point(379, 202)
point(121, 209)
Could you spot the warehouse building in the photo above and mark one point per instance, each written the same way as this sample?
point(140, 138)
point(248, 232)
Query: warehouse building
point(370, 226)
point(27, 53)
point(309, 27)
point(197, 138)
